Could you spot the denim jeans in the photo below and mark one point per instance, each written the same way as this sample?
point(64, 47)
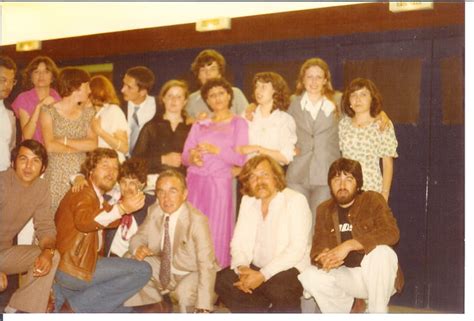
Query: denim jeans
point(114, 281)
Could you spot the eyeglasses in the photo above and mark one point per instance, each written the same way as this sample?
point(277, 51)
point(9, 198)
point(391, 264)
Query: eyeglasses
point(4, 81)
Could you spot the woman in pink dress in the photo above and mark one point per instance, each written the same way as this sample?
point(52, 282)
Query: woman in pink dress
point(39, 78)
point(210, 152)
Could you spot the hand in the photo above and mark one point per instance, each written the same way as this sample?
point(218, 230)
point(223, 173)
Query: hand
point(195, 157)
point(240, 284)
point(250, 279)
point(172, 159)
point(79, 183)
point(333, 258)
point(205, 148)
point(249, 149)
point(47, 100)
point(249, 111)
point(142, 252)
point(43, 263)
point(3, 281)
point(297, 151)
point(132, 203)
point(202, 115)
point(383, 121)
point(96, 126)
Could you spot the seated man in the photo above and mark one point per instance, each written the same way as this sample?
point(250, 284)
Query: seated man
point(270, 245)
point(351, 246)
point(176, 241)
point(86, 281)
point(24, 195)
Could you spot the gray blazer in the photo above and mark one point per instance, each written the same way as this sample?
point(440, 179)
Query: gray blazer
point(318, 141)
point(193, 250)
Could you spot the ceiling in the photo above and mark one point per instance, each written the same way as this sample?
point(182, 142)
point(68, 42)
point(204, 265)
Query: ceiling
point(22, 21)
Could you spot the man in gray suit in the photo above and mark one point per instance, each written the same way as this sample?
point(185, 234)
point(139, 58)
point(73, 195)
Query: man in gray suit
point(175, 240)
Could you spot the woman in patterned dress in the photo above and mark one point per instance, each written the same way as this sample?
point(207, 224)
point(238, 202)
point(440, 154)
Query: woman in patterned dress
point(360, 138)
point(67, 132)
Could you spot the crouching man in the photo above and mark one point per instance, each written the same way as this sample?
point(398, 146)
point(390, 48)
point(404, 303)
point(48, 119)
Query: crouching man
point(176, 241)
point(86, 281)
point(351, 251)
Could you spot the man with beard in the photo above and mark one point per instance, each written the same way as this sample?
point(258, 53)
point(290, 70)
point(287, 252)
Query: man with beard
point(270, 245)
point(85, 280)
point(351, 253)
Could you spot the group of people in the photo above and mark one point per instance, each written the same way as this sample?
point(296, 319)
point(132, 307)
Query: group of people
point(136, 206)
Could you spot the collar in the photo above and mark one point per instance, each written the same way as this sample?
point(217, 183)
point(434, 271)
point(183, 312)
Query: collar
point(323, 104)
point(98, 193)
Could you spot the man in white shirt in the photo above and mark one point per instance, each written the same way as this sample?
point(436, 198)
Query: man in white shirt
point(85, 280)
point(176, 241)
point(7, 119)
point(271, 243)
point(141, 107)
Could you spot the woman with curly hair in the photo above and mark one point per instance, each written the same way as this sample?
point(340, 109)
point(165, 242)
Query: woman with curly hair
point(272, 131)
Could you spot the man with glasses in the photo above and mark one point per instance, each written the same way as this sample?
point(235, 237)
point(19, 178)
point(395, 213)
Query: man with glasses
point(270, 245)
point(8, 123)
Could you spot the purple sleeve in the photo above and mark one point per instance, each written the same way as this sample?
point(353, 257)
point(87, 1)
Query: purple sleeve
point(241, 138)
point(190, 143)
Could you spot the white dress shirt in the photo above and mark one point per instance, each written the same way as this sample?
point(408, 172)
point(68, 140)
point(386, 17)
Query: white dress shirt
point(145, 113)
point(104, 218)
point(6, 133)
point(282, 242)
point(323, 104)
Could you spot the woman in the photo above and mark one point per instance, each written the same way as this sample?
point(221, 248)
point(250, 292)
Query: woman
point(39, 78)
point(109, 123)
point(67, 131)
point(272, 131)
point(316, 116)
point(360, 138)
point(161, 140)
point(210, 152)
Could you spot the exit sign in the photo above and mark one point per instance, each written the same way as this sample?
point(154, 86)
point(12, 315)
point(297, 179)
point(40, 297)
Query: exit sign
point(401, 6)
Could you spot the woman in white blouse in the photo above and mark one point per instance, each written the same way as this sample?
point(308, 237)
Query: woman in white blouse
point(272, 131)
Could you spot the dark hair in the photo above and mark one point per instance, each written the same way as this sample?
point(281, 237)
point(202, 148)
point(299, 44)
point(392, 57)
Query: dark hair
point(281, 97)
point(102, 91)
point(71, 79)
point(144, 77)
point(348, 166)
point(94, 157)
point(217, 82)
point(250, 166)
point(164, 90)
point(172, 173)
point(33, 64)
point(359, 83)
point(37, 148)
point(134, 168)
point(328, 91)
point(207, 57)
point(7, 63)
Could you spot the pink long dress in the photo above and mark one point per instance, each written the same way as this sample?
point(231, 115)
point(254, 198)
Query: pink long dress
point(210, 186)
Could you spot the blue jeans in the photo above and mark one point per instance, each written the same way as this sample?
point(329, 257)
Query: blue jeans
point(114, 281)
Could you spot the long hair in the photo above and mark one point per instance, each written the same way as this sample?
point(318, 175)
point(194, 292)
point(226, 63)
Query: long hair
point(31, 67)
point(281, 97)
point(359, 83)
point(102, 91)
point(94, 157)
point(328, 90)
point(164, 90)
point(249, 167)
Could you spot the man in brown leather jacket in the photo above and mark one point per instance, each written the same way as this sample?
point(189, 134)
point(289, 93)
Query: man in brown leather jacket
point(86, 281)
point(351, 252)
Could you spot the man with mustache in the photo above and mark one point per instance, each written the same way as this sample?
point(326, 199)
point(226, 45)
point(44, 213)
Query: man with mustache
point(85, 280)
point(351, 253)
point(270, 245)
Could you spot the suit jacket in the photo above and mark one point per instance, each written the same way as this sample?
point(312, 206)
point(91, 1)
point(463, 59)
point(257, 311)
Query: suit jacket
point(193, 250)
point(318, 141)
point(77, 232)
point(372, 224)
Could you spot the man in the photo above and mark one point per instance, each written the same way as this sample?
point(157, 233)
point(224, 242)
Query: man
point(141, 107)
point(351, 246)
point(132, 180)
point(176, 241)
point(24, 195)
point(86, 281)
point(8, 123)
point(210, 64)
point(270, 245)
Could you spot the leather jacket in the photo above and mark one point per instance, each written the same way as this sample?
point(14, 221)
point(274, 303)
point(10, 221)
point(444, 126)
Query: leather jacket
point(77, 232)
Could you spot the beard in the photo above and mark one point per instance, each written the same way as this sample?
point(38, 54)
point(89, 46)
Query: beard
point(343, 196)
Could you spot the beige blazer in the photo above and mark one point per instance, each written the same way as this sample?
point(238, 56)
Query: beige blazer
point(193, 250)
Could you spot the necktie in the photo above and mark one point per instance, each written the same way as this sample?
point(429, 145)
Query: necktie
point(165, 264)
point(134, 130)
